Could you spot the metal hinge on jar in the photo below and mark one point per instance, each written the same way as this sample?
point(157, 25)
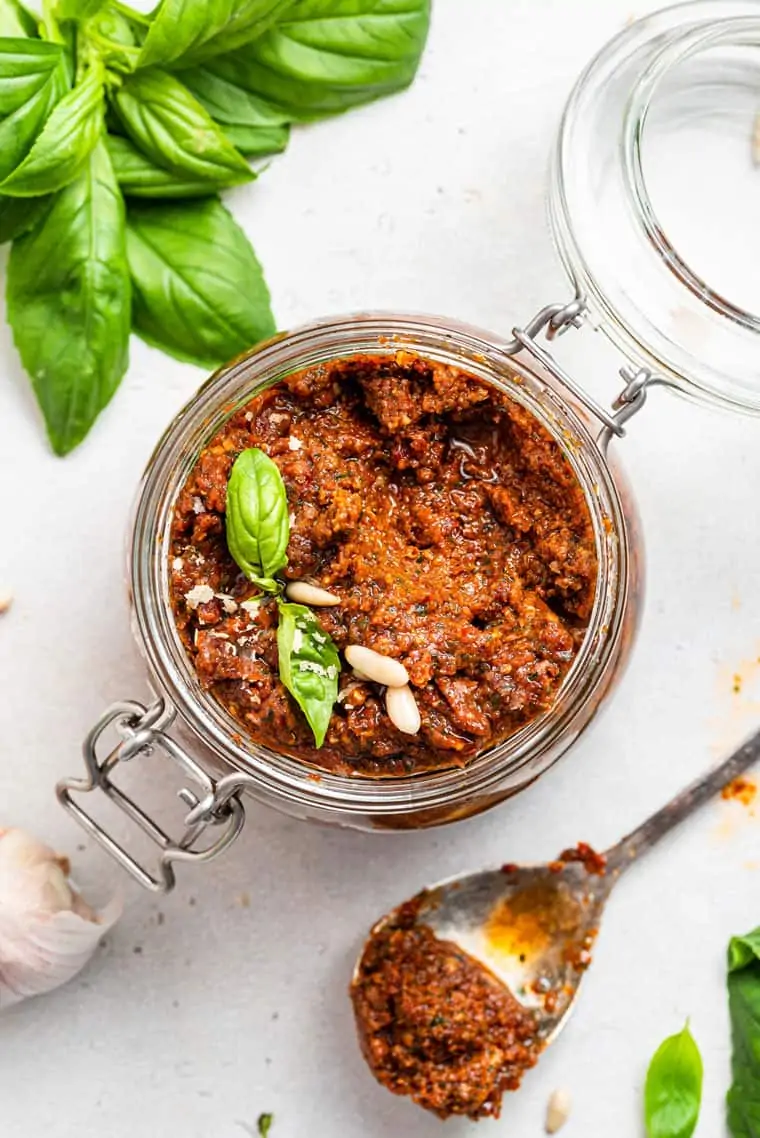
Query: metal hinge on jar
point(556, 319)
point(142, 731)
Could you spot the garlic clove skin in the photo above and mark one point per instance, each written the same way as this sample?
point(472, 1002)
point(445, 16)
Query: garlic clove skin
point(47, 931)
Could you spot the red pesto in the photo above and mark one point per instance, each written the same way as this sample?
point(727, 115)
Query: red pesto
point(452, 528)
point(741, 789)
point(434, 1024)
point(592, 861)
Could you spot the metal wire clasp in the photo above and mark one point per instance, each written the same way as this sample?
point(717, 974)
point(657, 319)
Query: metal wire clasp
point(142, 732)
point(555, 320)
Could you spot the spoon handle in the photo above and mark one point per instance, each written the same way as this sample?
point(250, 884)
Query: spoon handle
point(690, 799)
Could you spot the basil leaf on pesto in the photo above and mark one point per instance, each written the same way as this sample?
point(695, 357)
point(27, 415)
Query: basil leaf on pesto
point(309, 665)
point(257, 516)
point(673, 1090)
point(743, 1099)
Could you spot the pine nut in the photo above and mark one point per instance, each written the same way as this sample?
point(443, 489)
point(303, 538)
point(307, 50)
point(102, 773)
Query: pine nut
point(305, 594)
point(6, 600)
point(381, 669)
point(402, 709)
point(557, 1111)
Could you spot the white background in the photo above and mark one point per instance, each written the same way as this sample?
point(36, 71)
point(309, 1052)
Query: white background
point(434, 201)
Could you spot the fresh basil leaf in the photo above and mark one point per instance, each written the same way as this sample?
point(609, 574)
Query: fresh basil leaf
point(324, 56)
point(174, 131)
point(32, 80)
point(309, 666)
point(115, 40)
point(251, 124)
point(19, 215)
point(77, 9)
point(198, 289)
point(139, 178)
point(16, 21)
point(257, 141)
point(264, 1124)
point(68, 302)
point(227, 102)
point(184, 32)
point(673, 1090)
point(257, 515)
point(64, 143)
point(743, 1099)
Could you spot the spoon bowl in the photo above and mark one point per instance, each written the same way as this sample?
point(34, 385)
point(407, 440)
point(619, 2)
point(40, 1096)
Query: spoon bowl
point(532, 927)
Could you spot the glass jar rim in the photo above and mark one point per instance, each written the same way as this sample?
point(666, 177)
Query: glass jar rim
point(278, 775)
point(642, 292)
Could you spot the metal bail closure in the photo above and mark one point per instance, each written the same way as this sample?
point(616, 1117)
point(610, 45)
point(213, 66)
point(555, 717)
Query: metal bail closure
point(141, 730)
point(555, 320)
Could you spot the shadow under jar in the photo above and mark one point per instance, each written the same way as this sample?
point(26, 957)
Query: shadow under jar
point(629, 113)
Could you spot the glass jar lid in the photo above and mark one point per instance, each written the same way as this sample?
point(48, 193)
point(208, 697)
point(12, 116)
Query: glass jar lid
point(655, 196)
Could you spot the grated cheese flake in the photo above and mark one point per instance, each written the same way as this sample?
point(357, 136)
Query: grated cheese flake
point(311, 666)
point(294, 443)
point(199, 595)
point(228, 603)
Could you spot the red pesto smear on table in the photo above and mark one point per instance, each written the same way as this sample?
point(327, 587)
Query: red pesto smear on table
point(449, 523)
point(435, 1024)
point(741, 789)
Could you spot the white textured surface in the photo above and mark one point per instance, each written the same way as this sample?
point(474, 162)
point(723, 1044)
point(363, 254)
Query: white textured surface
point(430, 201)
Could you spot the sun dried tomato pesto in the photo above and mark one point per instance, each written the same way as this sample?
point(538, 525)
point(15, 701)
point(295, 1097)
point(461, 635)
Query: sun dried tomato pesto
point(452, 528)
point(435, 1024)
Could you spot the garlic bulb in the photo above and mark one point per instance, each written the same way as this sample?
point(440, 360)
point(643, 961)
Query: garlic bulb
point(47, 932)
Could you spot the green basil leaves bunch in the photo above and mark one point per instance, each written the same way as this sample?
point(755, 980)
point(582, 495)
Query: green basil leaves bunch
point(258, 530)
point(118, 132)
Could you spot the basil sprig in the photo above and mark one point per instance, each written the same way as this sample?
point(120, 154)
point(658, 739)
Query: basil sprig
point(673, 1090)
point(743, 1099)
point(99, 101)
point(258, 531)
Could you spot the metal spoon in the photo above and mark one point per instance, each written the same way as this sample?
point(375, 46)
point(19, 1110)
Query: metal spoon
point(533, 926)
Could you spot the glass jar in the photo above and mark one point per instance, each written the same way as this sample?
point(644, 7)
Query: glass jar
point(629, 282)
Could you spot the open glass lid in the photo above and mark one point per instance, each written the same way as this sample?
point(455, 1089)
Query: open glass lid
point(655, 196)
